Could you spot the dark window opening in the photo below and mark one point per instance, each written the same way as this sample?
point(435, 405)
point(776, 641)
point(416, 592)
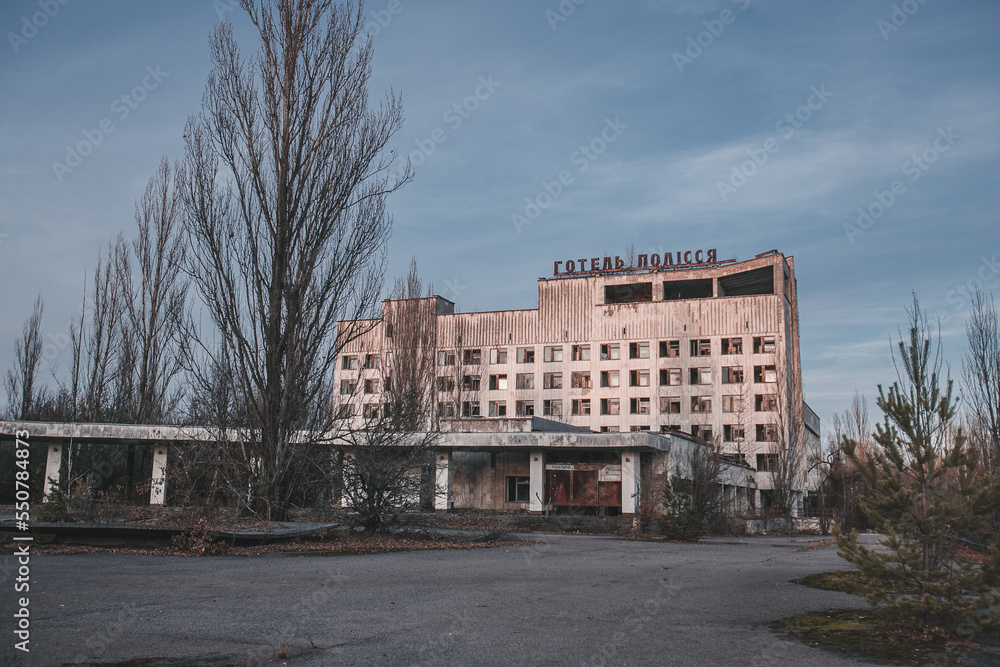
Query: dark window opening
point(758, 281)
point(676, 290)
point(628, 293)
point(518, 489)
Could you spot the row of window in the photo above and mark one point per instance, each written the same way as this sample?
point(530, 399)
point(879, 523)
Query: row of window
point(554, 353)
point(553, 407)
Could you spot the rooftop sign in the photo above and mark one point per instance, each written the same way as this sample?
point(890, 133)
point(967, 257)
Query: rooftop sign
point(687, 258)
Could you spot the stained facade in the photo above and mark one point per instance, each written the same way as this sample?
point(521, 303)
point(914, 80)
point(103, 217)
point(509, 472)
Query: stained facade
point(709, 350)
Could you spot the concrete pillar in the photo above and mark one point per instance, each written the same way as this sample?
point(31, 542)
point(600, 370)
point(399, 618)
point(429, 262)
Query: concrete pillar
point(630, 482)
point(52, 468)
point(442, 481)
point(536, 481)
point(158, 483)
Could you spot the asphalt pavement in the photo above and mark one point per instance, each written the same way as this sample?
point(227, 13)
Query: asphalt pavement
point(572, 600)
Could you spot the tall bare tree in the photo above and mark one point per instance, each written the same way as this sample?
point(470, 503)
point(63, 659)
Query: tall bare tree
point(981, 375)
point(156, 289)
point(286, 181)
point(23, 391)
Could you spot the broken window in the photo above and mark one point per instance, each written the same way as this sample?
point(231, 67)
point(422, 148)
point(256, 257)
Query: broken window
point(638, 428)
point(638, 378)
point(701, 348)
point(498, 356)
point(446, 410)
point(702, 431)
point(765, 374)
point(552, 353)
point(552, 381)
point(472, 357)
point(610, 429)
point(639, 406)
point(524, 381)
point(552, 407)
point(445, 383)
point(670, 405)
point(732, 403)
point(371, 386)
point(732, 346)
point(610, 379)
point(767, 433)
point(348, 386)
point(610, 351)
point(767, 462)
point(345, 411)
point(701, 404)
point(524, 408)
point(763, 344)
point(581, 406)
point(670, 348)
point(518, 489)
point(632, 293)
point(638, 350)
point(701, 376)
point(580, 380)
point(471, 382)
point(370, 411)
point(733, 432)
point(670, 377)
point(525, 355)
point(371, 361)
point(349, 362)
point(498, 382)
point(765, 403)
point(470, 409)
point(732, 374)
point(581, 353)
point(610, 406)
point(446, 358)
point(676, 290)
point(498, 408)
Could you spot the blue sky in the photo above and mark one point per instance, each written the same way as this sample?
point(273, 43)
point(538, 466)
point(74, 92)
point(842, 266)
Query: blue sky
point(739, 125)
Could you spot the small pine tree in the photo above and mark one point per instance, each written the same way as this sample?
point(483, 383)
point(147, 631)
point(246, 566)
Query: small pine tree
point(681, 518)
point(927, 488)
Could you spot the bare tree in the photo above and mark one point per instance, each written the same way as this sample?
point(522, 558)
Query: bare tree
point(981, 375)
point(101, 344)
point(787, 460)
point(22, 391)
point(155, 298)
point(286, 182)
point(389, 465)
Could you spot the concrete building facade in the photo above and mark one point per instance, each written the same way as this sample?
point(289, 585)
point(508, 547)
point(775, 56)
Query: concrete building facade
point(705, 347)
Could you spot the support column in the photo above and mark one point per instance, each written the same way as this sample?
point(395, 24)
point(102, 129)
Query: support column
point(52, 468)
point(345, 473)
point(630, 482)
point(442, 481)
point(158, 483)
point(536, 481)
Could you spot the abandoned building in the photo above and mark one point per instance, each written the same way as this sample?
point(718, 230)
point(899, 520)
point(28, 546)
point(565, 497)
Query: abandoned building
point(698, 348)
